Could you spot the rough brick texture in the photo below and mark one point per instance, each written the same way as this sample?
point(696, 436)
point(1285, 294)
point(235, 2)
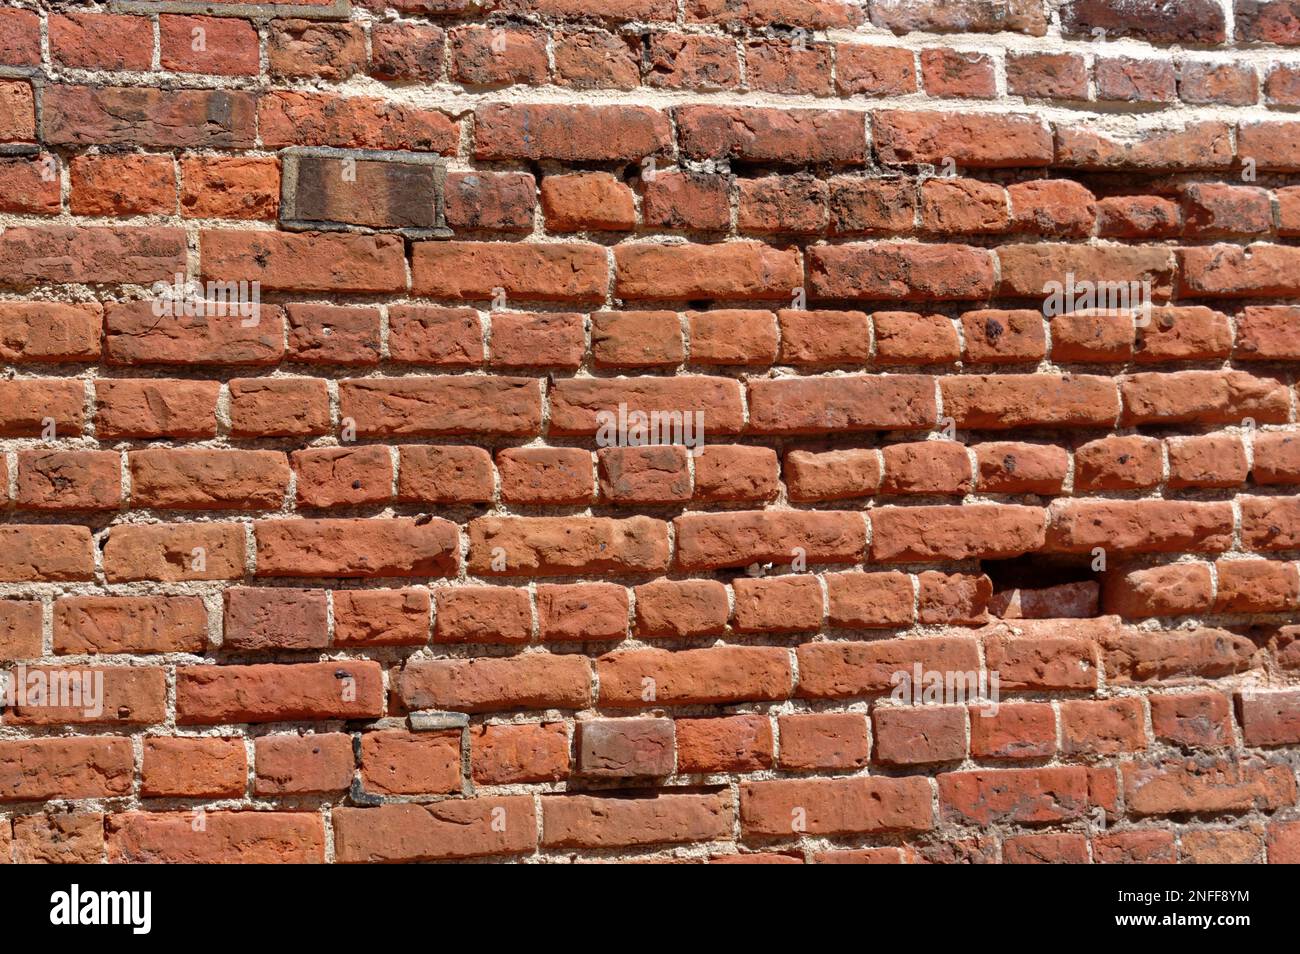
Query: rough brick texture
point(633, 399)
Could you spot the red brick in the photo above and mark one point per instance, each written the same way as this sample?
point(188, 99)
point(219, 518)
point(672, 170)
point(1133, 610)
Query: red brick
point(576, 133)
point(287, 118)
point(692, 61)
point(1022, 796)
point(64, 254)
point(1122, 78)
point(828, 740)
point(1175, 590)
point(625, 748)
point(926, 467)
point(136, 336)
point(1277, 458)
point(333, 51)
point(838, 670)
point(275, 618)
point(279, 407)
point(101, 41)
point(438, 474)
point(1196, 145)
point(31, 185)
point(19, 112)
point(247, 837)
point(1211, 397)
point(208, 479)
point(707, 541)
point(686, 200)
point(577, 405)
point(910, 339)
point(1256, 586)
point(307, 261)
point(676, 608)
point(1009, 467)
point(1270, 523)
point(404, 763)
point(841, 806)
point(588, 821)
point(230, 187)
point(1231, 84)
point(445, 830)
point(861, 206)
point(589, 200)
point(210, 695)
point(596, 61)
point(900, 272)
point(1045, 849)
point(958, 73)
point(997, 531)
point(327, 334)
point(419, 334)
point(639, 678)
point(313, 764)
point(203, 767)
point(21, 629)
point(1013, 731)
point(869, 600)
point(741, 743)
point(643, 475)
point(130, 624)
point(1133, 847)
point(155, 407)
point(1102, 727)
point(381, 617)
point(502, 201)
point(520, 752)
point(1052, 207)
point(441, 405)
point(975, 140)
point(21, 45)
point(810, 405)
point(832, 475)
point(1047, 75)
point(963, 207)
point(546, 339)
point(58, 839)
point(727, 272)
point(1142, 526)
point(797, 136)
point(1195, 720)
point(633, 339)
point(1118, 463)
point(1205, 784)
point(530, 681)
point(584, 612)
point(338, 476)
point(400, 546)
point(779, 605)
point(228, 47)
point(779, 66)
point(469, 271)
point(406, 51)
point(1136, 657)
point(34, 407)
point(916, 735)
point(139, 116)
point(960, 598)
point(69, 480)
point(62, 768)
point(174, 552)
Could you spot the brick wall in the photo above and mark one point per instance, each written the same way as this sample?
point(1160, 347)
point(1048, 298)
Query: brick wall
point(368, 571)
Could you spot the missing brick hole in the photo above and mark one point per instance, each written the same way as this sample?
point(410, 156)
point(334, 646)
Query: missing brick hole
point(1038, 587)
